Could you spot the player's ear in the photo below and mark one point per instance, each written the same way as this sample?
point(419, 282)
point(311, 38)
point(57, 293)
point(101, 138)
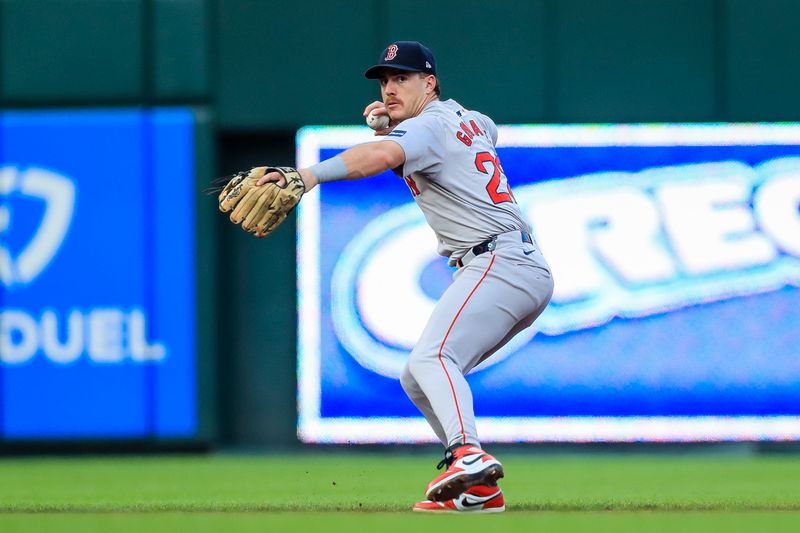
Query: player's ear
point(430, 83)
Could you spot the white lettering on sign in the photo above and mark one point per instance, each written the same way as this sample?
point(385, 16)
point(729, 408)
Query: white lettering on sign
point(18, 338)
point(103, 335)
point(105, 343)
point(777, 205)
point(619, 245)
point(692, 233)
point(70, 349)
point(711, 226)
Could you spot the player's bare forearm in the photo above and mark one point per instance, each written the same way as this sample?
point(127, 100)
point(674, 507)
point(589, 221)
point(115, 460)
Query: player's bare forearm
point(360, 161)
point(371, 159)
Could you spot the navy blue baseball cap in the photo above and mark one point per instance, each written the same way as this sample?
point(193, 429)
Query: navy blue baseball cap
point(404, 55)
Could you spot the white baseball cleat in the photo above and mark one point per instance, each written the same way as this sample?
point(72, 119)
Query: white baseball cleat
point(467, 466)
point(477, 499)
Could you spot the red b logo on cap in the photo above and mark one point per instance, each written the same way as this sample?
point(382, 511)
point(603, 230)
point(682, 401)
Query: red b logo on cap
point(391, 52)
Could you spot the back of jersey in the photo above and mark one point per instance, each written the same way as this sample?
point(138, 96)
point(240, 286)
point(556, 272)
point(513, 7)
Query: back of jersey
point(455, 176)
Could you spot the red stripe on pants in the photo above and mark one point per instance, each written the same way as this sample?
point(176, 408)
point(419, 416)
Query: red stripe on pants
point(441, 348)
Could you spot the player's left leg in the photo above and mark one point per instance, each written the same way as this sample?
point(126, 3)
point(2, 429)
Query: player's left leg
point(416, 395)
point(434, 362)
point(492, 298)
point(457, 476)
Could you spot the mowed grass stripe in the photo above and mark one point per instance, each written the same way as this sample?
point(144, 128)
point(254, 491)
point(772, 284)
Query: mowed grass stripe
point(588, 507)
point(377, 483)
point(624, 522)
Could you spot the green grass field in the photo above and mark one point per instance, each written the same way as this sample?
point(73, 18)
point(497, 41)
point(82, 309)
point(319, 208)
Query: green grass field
point(374, 492)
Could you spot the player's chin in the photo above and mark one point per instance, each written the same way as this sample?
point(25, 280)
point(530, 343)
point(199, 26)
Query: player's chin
point(396, 114)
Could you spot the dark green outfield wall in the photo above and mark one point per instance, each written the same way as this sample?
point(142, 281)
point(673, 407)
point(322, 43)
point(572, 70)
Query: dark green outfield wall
point(259, 69)
point(272, 65)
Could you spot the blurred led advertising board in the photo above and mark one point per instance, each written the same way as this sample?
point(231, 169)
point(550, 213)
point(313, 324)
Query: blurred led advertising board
point(675, 251)
point(97, 274)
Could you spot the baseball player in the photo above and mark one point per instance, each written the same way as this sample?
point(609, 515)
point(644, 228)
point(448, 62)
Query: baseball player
point(446, 155)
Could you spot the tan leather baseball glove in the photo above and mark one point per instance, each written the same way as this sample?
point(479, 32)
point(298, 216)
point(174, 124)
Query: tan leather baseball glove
point(261, 209)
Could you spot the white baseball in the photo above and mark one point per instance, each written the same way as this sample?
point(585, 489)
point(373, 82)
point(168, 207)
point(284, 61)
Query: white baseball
point(377, 122)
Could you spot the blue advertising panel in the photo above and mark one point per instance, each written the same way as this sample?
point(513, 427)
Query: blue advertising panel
point(97, 274)
point(675, 251)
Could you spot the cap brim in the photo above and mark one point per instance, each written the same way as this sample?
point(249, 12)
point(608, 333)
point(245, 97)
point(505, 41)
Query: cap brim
point(374, 73)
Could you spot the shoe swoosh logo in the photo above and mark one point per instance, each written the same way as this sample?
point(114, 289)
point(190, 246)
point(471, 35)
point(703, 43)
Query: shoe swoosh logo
point(475, 503)
point(474, 460)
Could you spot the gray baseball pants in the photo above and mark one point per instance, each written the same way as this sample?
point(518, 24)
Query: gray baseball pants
point(493, 297)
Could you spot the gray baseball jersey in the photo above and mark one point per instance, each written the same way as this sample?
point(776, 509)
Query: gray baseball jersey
point(454, 174)
point(501, 286)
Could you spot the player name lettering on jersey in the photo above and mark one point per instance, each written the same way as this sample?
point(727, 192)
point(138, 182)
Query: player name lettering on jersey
point(467, 133)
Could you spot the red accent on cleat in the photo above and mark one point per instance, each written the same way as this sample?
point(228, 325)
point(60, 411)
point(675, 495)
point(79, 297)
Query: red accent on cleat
point(468, 466)
point(477, 499)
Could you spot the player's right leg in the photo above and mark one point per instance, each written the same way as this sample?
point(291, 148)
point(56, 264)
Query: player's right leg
point(477, 499)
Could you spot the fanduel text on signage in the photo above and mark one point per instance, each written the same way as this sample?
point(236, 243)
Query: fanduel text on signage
point(105, 335)
point(97, 297)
